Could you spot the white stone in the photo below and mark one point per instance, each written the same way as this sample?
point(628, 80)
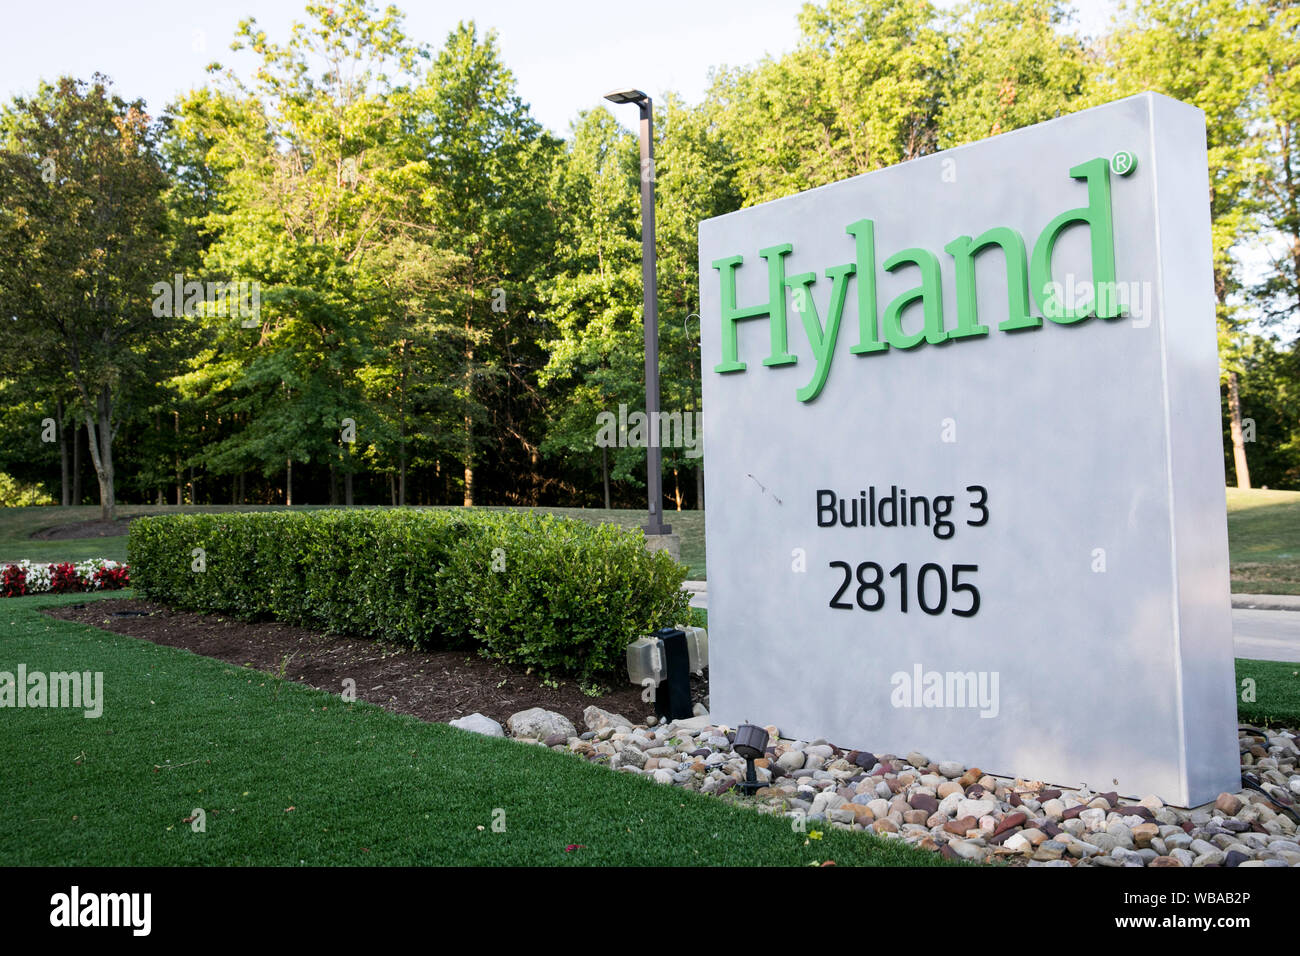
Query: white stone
point(976, 808)
point(478, 724)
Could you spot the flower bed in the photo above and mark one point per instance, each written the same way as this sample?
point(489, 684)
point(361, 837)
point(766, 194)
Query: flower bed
point(95, 574)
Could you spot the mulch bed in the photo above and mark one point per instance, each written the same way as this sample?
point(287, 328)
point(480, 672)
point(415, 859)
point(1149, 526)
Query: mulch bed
point(435, 686)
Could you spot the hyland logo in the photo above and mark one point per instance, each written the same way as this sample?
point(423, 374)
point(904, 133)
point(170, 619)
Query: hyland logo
point(959, 689)
point(102, 909)
point(1028, 270)
point(220, 299)
point(84, 691)
point(636, 430)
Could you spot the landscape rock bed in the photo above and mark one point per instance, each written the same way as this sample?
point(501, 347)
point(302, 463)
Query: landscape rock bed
point(960, 811)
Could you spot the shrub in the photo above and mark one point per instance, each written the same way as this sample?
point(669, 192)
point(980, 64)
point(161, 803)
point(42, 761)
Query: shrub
point(555, 594)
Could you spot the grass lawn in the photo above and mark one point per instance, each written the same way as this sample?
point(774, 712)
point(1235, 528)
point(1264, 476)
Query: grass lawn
point(18, 524)
point(1276, 692)
point(1264, 535)
point(292, 776)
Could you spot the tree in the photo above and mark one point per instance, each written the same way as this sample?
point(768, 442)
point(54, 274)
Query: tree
point(83, 235)
point(1207, 53)
point(489, 166)
point(861, 91)
point(596, 348)
point(320, 171)
point(1013, 65)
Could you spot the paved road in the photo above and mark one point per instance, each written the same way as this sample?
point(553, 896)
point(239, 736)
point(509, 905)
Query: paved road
point(1263, 635)
point(1266, 635)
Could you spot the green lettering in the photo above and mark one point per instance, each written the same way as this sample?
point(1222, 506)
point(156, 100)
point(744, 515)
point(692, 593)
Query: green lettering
point(1097, 216)
point(930, 292)
point(864, 236)
point(823, 342)
point(774, 307)
point(963, 249)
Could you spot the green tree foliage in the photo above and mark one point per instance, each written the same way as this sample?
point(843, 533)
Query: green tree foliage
point(489, 165)
point(83, 234)
point(1013, 64)
point(463, 288)
point(317, 168)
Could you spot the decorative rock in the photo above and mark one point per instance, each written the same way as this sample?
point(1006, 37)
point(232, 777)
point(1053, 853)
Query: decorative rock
point(791, 760)
point(629, 757)
point(1051, 850)
point(597, 719)
point(1010, 822)
point(1094, 819)
point(951, 769)
point(1228, 803)
point(540, 724)
point(976, 808)
point(961, 826)
point(967, 850)
point(921, 801)
point(479, 724)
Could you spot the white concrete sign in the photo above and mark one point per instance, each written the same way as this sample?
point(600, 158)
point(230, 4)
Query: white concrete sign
point(964, 463)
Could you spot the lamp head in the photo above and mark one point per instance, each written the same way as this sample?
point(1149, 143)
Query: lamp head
point(627, 96)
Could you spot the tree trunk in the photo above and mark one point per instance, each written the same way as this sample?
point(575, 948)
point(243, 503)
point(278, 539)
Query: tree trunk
point(65, 490)
point(334, 484)
point(76, 465)
point(699, 486)
point(604, 473)
point(180, 476)
point(288, 482)
point(101, 452)
point(1238, 440)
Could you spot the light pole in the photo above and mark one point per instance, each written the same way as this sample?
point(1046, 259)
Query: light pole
point(650, 294)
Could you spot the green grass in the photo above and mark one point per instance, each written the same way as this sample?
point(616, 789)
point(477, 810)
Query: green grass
point(1264, 536)
point(18, 524)
point(367, 787)
point(1276, 691)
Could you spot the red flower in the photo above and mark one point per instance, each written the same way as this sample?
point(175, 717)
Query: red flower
point(13, 582)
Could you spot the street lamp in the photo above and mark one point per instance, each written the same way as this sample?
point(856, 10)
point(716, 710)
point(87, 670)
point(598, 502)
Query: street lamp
point(650, 294)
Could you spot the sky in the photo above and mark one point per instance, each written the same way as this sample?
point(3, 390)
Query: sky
point(565, 54)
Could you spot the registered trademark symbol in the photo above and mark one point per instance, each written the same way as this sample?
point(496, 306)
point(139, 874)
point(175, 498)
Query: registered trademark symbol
point(1123, 163)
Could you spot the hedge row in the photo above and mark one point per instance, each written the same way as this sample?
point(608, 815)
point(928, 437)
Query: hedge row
point(556, 594)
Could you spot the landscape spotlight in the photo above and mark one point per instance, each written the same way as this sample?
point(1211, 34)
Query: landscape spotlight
point(750, 743)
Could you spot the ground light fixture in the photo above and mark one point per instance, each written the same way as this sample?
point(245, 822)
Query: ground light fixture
point(750, 743)
point(650, 295)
